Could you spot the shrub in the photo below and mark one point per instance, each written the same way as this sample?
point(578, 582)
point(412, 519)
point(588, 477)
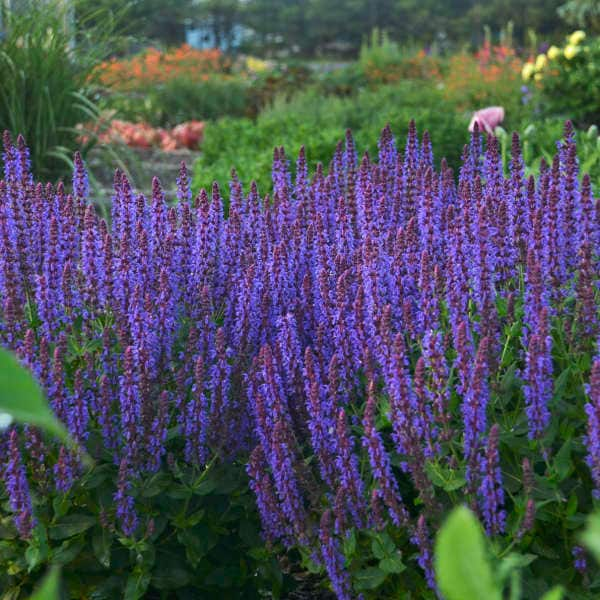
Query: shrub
point(567, 79)
point(309, 120)
point(181, 99)
point(491, 77)
point(364, 352)
point(383, 61)
point(538, 145)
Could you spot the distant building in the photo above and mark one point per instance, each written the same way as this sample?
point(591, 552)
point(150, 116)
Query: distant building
point(202, 35)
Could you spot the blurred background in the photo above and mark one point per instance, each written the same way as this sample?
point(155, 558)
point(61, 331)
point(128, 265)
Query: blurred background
point(141, 85)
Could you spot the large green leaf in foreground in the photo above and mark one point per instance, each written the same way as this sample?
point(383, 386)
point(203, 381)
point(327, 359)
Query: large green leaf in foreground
point(22, 398)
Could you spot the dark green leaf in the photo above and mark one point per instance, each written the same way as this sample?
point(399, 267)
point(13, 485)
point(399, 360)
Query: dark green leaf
point(392, 564)
point(180, 493)
point(562, 461)
point(560, 383)
point(101, 543)
point(369, 579)
point(155, 485)
point(349, 544)
point(61, 505)
point(137, 584)
point(67, 552)
point(169, 576)
point(382, 545)
point(205, 487)
point(70, 525)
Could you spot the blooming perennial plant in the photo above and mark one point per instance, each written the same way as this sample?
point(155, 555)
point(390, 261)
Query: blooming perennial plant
point(376, 344)
point(567, 78)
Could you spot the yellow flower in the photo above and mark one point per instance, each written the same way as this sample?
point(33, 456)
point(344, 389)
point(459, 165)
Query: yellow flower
point(527, 71)
point(554, 52)
point(256, 64)
point(538, 76)
point(540, 62)
point(577, 37)
point(571, 51)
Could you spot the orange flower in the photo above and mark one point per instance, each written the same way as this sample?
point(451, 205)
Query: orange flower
point(154, 66)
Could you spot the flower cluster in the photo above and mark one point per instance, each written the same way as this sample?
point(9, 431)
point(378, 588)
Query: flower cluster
point(154, 66)
point(546, 61)
point(142, 135)
point(488, 77)
point(347, 337)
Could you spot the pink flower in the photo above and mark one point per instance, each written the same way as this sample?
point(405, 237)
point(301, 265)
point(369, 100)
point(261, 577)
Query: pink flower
point(487, 118)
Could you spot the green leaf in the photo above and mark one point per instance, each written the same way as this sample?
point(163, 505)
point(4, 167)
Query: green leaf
point(591, 535)
point(562, 462)
point(70, 526)
point(560, 384)
point(68, 551)
point(461, 564)
point(349, 544)
point(155, 485)
point(137, 584)
point(369, 579)
point(513, 561)
point(170, 576)
point(61, 505)
point(448, 479)
point(556, 593)
point(205, 487)
point(101, 543)
point(33, 557)
point(382, 545)
point(22, 398)
point(49, 588)
point(392, 564)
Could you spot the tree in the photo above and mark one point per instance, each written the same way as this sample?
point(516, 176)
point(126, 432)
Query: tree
point(581, 13)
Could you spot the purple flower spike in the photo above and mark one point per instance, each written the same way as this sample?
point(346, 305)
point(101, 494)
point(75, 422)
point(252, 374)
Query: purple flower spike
point(333, 558)
point(490, 491)
point(17, 488)
point(592, 409)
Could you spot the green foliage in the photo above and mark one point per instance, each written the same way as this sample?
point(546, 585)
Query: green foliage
point(201, 536)
point(180, 100)
point(202, 532)
point(318, 125)
point(591, 536)
point(380, 51)
point(537, 146)
point(463, 567)
point(569, 85)
point(45, 82)
point(581, 13)
point(49, 588)
point(22, 398)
